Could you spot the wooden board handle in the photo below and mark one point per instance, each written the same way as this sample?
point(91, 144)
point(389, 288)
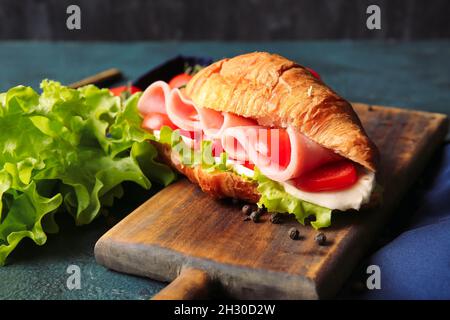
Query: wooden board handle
point(191, 284)
point(103, 77)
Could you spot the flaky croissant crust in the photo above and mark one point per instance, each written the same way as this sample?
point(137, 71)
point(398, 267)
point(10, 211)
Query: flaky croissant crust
point(278, 92)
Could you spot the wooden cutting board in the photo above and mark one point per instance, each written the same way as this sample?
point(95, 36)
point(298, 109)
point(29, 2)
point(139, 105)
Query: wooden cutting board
point(183, 234)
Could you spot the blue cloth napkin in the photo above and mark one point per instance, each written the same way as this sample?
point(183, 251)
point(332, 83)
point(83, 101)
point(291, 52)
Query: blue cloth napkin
point(416, 264)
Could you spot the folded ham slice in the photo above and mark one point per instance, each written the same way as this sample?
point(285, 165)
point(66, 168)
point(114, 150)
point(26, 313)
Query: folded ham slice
point(263, 147)
point(215, 128)
point(154, 98)
point(160, 98)
point(183, 113)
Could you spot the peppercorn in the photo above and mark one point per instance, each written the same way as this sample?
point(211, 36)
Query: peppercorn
point(276, 218)
point(255, 216)
point(247, 209)
point(261, 210)
point(294, 234)
point(320, 239)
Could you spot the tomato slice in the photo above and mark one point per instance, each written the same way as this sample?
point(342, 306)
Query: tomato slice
point(314, 73)
point(155, 121)
point(179, 80)
point(118, 90)
point(283, 148)
point(330, 177)
point(249, 165)
point(189, 134)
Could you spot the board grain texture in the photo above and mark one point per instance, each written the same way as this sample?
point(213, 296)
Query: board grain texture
point(182, 232)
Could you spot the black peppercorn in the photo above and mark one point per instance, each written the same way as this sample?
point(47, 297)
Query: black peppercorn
point(276, 218)
point(247, 209)
point(294, 234)
point(261, 210)
point(321, 239)
point(255, 216)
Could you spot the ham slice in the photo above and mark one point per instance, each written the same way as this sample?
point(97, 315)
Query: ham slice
point(182, 112)
point(187, 116)
point(251, 143)
point(154, 98)
point(215, 128)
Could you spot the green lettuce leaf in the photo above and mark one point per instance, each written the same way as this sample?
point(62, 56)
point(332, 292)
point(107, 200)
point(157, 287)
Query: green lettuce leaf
point(26, 211)
point(67, 149)
point(275, 199)
point(188, 156)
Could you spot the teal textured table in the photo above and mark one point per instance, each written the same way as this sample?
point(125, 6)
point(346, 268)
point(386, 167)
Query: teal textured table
point(415, 75)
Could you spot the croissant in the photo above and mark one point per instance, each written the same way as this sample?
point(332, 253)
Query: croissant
point(266, 91)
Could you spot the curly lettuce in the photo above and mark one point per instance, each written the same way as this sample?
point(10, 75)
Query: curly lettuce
point(67, 150)
point(275, 199)
point(190, 157)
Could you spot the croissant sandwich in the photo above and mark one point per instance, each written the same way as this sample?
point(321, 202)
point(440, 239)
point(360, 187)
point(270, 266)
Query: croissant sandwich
point(264, 129)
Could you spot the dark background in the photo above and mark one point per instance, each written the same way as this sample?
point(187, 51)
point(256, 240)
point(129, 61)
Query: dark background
point(223, 19)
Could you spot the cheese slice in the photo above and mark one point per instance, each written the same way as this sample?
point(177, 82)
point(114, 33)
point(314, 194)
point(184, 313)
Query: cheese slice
point(351, 198)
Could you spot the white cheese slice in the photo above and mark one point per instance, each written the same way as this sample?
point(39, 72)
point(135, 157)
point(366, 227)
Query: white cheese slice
point(351, 198)
point(157, 134)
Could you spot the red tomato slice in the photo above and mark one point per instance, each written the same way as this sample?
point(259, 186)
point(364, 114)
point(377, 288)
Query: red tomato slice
point(179, 80)
point(249, 165)
point(155, 121)
point(330, 177)
point(188, 134)
point(283, 148)
point(118, 90)
point(314, 73)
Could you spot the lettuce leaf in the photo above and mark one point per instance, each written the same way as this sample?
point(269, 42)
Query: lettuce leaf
point(190, 157)
point(26, 211)
point(67, 150)
point(275, 199)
